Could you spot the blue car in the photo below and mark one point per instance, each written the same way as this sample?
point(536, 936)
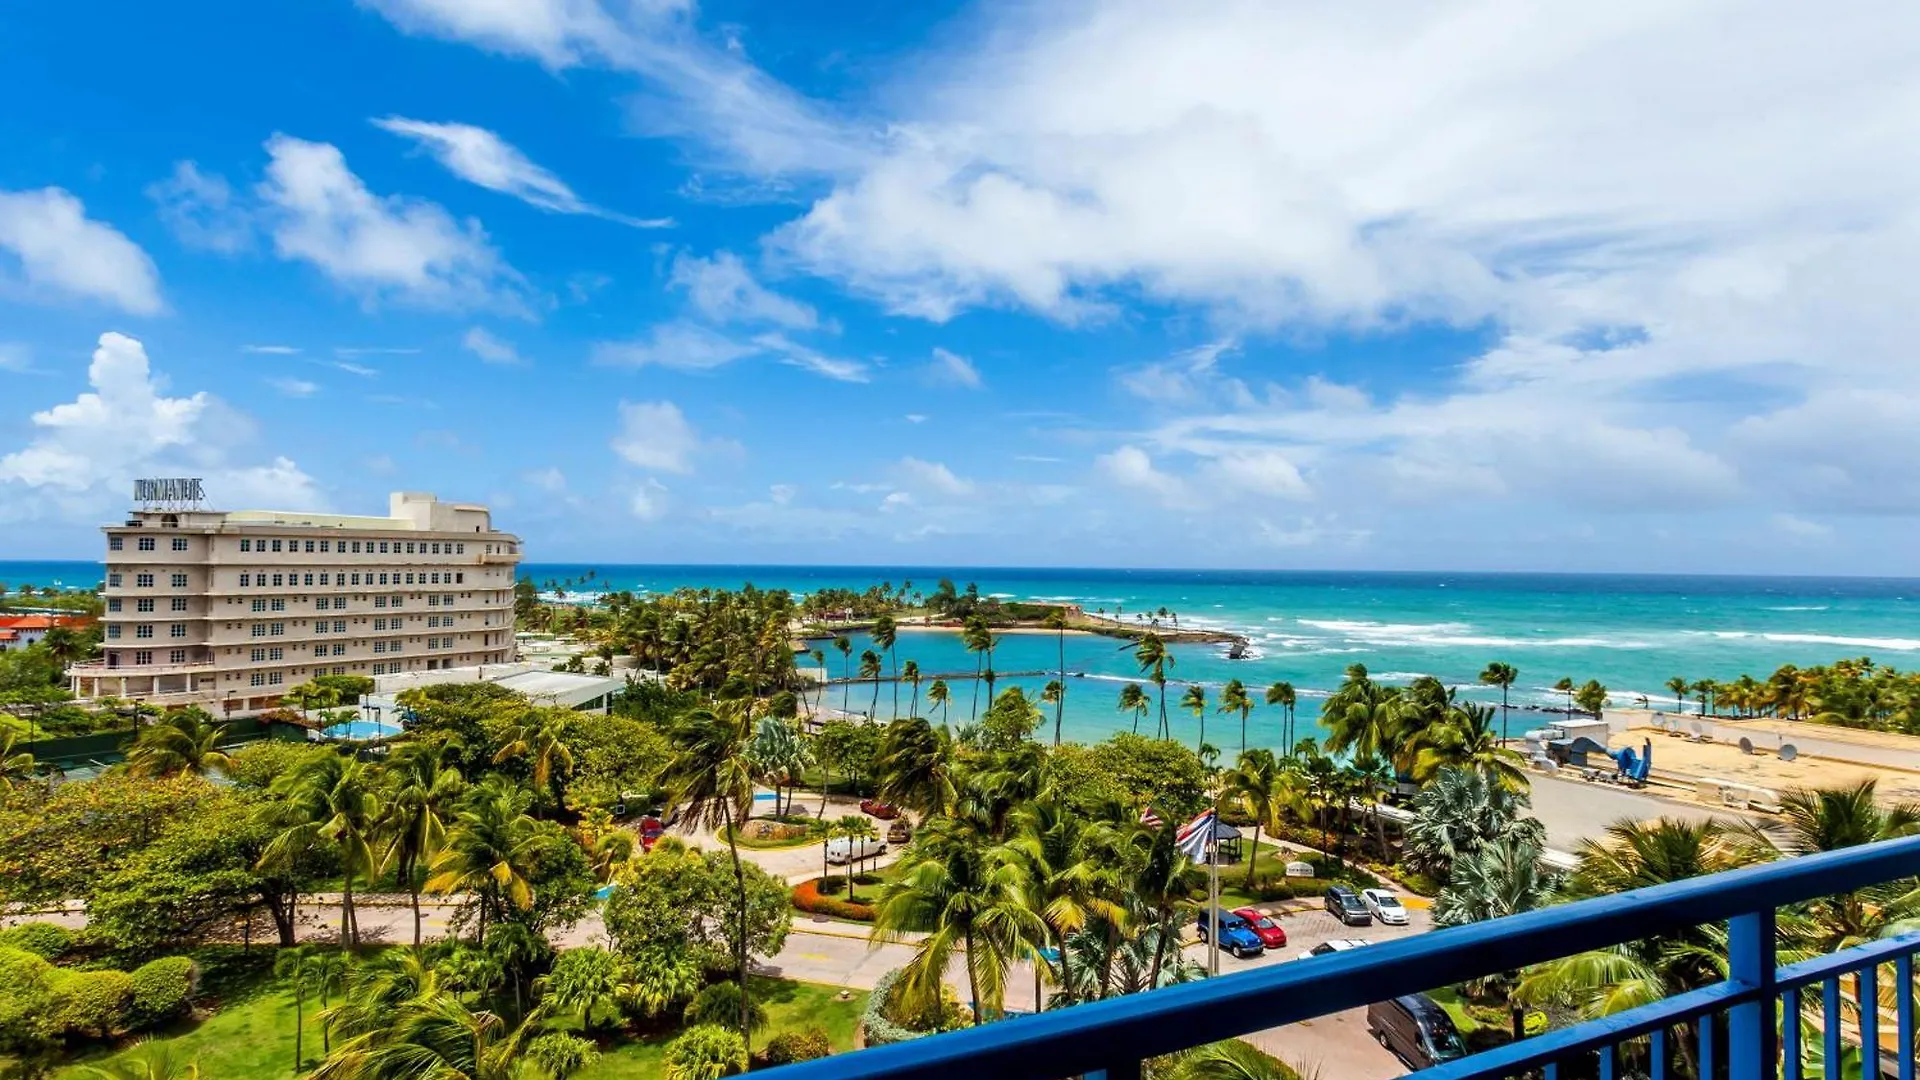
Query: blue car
point(1236, 936)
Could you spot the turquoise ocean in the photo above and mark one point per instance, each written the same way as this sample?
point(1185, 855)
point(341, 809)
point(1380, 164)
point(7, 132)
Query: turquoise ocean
point(1631, 632)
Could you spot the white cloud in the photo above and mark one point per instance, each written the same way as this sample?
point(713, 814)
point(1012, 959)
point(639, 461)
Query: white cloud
point(490, 348)
point(82, 452)
point(15, 357)
point(1132, 467)
point(1798, 528)
point(782, 494)
point(403, 250)
point(681, 345)
point(656, 436)
point(916, 418)
point(294, 388)
point(724, 291)
point(59, 250)
point(933, 477)
point(954, 369)
point(794, 354)
point(201, 210)
point(648, 500)
point(481, 157)
point(270, 350)
point(550, 480)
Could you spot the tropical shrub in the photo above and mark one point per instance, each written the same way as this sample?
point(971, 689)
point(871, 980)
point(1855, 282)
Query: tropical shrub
point(806, 897)
point(791, 1046)
point(1268, 888)
point(161, 990)
point(26, 1000)
point(43, 939)
point(95, 1004)
point(705, 1052)
point(719, 1004)
point(891, 1017)
point(561, 1055)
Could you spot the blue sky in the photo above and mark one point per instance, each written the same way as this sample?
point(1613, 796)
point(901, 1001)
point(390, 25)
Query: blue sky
point(1480, 285)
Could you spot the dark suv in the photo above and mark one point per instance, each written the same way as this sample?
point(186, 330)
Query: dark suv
point(1345, 904)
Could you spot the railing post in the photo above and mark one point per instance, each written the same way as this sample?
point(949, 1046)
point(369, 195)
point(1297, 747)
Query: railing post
point(1752, 1032)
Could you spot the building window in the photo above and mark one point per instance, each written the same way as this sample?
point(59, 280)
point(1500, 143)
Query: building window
point(321, 604)
point(396, 602)
point(113, 630)
point(259, 655)
point(114, 543)
point(258, 678)
point(309, 579)
point(339, 603)
point(356, 579)
point(146, 543)
point(279, 604)
point(339, 626)
point(423, 578)
point(113, 604)
point(379, 669)
point(113, 581)
point(144, 581)
point(246, 580)
point(340, 650)
point(246, 545)
point(179, 581)
point(259, 629)
point(177, 630)
point(143, 604)
point(278, 580)
point(325, 579)
point(319, 626)
point(276, 653)
point(278, 629)
point(379, 601)
point(309, 547)
point(326, 546)
point(276, 545)
point(459, 579)
point(379, 647)
point(319, 650)
point(178, 603)
point(144, 630)
point(143, 657)
point(179, 543)
point(259, 604)
point(177, 656)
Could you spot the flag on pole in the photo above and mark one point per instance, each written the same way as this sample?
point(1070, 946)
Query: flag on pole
point(1195, 838)
point(1149, 818)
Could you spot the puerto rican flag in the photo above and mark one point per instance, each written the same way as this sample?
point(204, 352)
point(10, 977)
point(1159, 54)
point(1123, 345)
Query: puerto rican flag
point(1149, 818)
point(1195, 838)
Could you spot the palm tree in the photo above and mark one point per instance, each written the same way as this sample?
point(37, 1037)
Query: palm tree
point(297, 967)
point(886, 634)
point(1053, 694)
point(538, 739)
point(1056, 621)
point(1283, 695)
point(1705, 689)
point(1465, 740)
point(1150, 652)
point(820, 691)
point(150, 1060)
point(870, 669)
point(1234, 698)
point(978, 641)
point(1134, 699)
point(712, 779)
point(852, 828)
point(436, 1035)
point(1232, 1060)
point(1261, 788)
point(14, 766)
point(1067, 873)
point(910, 671)
point(1828, 819)
point(491, 850)
point(331, 798)
point(309, 696)
point(1679, 688)
point(182, 741)
point(779, 754)
point(917, 767)
point(421, 789)
point(1503, 878)
point(954, 891)
point(845, 648)
point(938, 695)
point(1195, 702)
point(1502, 676)
point(1365, 717)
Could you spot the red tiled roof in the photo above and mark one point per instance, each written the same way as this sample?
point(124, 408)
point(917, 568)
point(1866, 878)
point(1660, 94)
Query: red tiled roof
point(40, 622)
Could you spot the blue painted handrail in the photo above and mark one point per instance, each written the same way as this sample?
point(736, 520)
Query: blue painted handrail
point(1115, 1035)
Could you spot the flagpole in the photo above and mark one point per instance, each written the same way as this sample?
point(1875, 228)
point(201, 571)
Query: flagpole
point(1213, 887)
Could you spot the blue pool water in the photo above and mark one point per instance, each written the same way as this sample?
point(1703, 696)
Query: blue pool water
point(361, 729)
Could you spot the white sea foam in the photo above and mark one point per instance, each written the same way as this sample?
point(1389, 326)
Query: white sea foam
point(1895, 644)
point(1799, 607)
point(1452, 634)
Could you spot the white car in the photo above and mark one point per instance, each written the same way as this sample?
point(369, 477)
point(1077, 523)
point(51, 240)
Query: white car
point(1384, 906)
point(1326, 948)
point(841, 850)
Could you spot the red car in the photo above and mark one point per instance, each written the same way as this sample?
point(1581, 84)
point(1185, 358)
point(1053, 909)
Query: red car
point(1265, 927)
point(876, 808)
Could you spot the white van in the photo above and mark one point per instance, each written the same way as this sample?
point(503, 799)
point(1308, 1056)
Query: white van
point(842, 849)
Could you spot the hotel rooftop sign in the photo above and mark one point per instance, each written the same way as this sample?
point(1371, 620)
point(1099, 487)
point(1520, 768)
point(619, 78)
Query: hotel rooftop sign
point(168, 492)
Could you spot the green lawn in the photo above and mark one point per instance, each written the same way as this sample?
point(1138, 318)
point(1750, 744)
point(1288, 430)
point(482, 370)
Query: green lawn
point(251, 1037)
point(790, 1007)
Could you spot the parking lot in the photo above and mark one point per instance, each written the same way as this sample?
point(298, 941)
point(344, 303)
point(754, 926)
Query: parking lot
point(1330, 1046)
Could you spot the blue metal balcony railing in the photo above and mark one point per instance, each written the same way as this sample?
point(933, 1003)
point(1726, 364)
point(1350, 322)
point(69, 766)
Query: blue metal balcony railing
point(1739, 1017)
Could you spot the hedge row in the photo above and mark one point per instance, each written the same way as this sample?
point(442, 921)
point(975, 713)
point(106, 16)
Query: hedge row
point(874, 1025)
point(54, 1002)
point(807, 897)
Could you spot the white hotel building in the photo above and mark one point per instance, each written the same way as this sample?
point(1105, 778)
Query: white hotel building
point(226, 610)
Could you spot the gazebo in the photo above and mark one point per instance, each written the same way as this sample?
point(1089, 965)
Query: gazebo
point(1226, 840)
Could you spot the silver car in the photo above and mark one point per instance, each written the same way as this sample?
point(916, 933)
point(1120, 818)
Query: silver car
point(1384, 906)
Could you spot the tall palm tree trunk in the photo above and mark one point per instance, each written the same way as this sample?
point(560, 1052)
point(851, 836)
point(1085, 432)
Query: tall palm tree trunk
point(1253, 855)
point(740, 921)
point(893, 661)
point(1060, 705)
point(973, 977)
